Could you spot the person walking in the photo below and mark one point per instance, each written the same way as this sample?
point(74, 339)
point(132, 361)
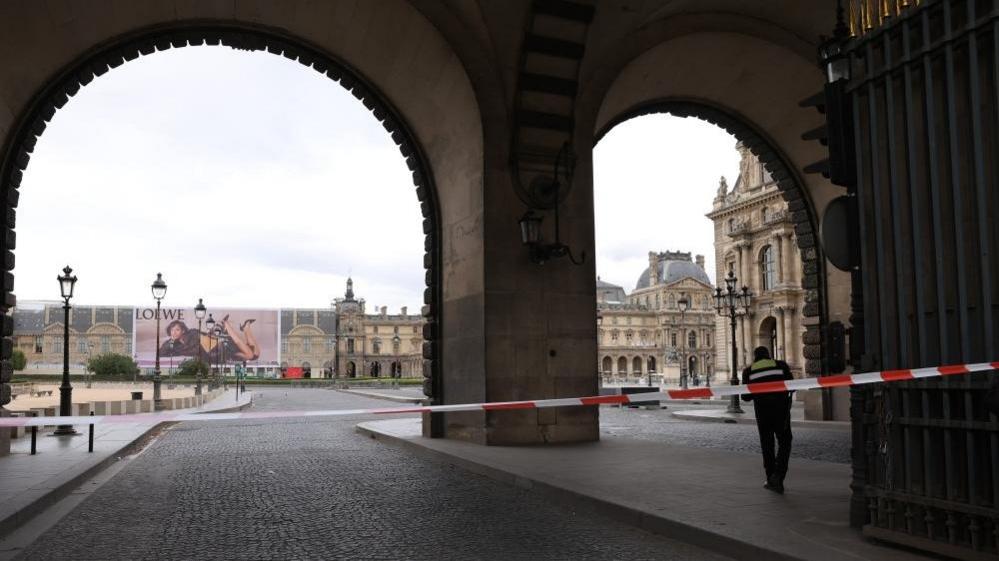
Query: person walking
point(773, 415)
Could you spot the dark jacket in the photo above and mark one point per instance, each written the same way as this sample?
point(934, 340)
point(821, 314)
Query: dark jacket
point(767, 370)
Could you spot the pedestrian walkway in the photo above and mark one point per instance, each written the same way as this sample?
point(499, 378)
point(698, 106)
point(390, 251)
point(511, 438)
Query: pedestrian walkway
point(749, 417)
point(398, 396)
point(30, 483)
point(710, 498)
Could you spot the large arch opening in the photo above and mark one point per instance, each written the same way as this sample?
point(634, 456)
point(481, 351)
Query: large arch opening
point(55, 93)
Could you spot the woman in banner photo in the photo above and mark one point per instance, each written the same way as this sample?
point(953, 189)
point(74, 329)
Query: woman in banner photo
point(183, 341)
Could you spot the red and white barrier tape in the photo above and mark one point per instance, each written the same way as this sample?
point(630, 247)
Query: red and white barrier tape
point(697, 393)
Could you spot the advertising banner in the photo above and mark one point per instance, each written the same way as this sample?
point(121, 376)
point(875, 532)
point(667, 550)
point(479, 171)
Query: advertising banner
point(239, 335)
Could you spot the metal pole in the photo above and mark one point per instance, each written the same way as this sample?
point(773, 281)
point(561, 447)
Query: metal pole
point(65, 390)
point(156, 370)
point(197, 375)
point(734, 405)
point(34, 440)
point(90, 444)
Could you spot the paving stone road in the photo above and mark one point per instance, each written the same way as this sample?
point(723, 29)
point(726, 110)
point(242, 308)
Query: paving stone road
point(315, 489)
point(827, 445)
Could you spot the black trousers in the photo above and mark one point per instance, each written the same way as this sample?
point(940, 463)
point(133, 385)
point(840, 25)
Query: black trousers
point(773, 420)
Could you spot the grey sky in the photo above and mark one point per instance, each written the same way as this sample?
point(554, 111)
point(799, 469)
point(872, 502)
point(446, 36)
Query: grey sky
point(252, 181)
point(654, 180)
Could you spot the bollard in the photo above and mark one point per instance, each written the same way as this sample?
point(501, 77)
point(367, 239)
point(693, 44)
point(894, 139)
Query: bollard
point(90, 444)
point(34, 439)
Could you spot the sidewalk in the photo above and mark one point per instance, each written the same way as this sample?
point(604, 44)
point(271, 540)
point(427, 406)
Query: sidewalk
point(399, 397)
point(29, 484)
point(710, 498)
point(749, 418)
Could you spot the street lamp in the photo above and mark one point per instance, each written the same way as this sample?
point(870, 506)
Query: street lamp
point(159, 289)
point(733, 303)
point(210, 324)
point(199, 313)
point(684, 304)
point(67, 281)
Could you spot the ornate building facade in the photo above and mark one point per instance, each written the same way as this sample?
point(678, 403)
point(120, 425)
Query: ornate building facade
point(754, 238)
point(664, 328)
point(313, 339)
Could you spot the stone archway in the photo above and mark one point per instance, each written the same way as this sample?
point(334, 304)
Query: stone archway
point(767, 337)
point(32, 115)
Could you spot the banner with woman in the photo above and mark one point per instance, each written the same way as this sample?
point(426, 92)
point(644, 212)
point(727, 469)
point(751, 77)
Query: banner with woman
point(237, 336)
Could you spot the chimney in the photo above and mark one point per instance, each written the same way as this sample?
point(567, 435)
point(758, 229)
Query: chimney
point(653, 268)
point(404, 311)
point(384, 311)
point(700, 261)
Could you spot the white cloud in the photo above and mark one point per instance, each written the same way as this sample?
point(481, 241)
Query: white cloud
point(245, 178)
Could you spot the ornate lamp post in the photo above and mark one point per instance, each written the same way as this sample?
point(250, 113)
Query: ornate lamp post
point(66, 283)
point(733, 303)
point(684, 304)
point(199, 313)
point(210, 324)
point(159, 289)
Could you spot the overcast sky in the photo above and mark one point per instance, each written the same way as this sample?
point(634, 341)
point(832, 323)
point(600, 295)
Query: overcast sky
point(249, 180)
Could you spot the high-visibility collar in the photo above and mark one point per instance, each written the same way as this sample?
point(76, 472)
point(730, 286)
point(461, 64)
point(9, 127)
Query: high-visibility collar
point(764, 363)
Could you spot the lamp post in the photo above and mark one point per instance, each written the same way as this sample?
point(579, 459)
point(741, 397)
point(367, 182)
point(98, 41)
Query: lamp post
point(159, 289)
point(199, 313)
point(733, 303)
point(210, 324)
point(67, 281)
point(684, 304)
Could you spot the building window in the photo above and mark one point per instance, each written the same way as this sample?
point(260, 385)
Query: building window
point(306, 344)
point(330, 342)
point(284, 345)
point(376, 346)
point(768, 270)
point(128, 347)
point(395, 346)
point(350, 345)
point(415, 329)
point(731, 225)
point(658, 303)
point(376, 329)
point(763, 215)
point(38, 344)
point(81, 345)
point(395, 330)
point(692, 340)
point(672, 300)
point(707, 339)
point(672, 339)
point(105, 344)
point(614, 336)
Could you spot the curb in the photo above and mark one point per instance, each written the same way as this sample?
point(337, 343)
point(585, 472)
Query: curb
point(673, 529)
point(824, 425)
point(63, 486)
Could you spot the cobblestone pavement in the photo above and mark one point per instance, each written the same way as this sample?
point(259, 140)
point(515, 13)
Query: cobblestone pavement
point(315, 489)
point(827, 445)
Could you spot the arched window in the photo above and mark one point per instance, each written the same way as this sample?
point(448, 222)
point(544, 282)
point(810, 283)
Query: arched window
point(652, 364)
point(731, 225)
point(768, 269)
point(692, 339)
point(376, 347)
point(636, 365)
point(672, 339)
point(608, 365)
point(622, 365)
point(672, 300)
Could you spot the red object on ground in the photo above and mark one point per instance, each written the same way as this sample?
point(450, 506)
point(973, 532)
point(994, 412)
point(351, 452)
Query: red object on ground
point(293, 372)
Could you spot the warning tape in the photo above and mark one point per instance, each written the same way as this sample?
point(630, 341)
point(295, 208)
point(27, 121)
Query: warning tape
point(837, 381)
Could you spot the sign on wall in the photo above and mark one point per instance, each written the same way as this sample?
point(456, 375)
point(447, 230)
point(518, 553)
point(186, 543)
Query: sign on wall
point(240, 335)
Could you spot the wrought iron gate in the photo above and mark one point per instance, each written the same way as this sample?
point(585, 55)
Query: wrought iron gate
point(924, 89)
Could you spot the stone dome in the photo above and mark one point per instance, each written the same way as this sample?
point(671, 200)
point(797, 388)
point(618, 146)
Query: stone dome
point(672, 270)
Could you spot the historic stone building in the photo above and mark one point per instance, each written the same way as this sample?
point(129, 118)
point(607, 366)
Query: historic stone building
point(38, 332)
point(664, 328)
point(754, 238)
point(313, 339)
point(379, 344)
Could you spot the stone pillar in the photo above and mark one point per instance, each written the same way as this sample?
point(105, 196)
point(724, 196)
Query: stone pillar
point(791, 276)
